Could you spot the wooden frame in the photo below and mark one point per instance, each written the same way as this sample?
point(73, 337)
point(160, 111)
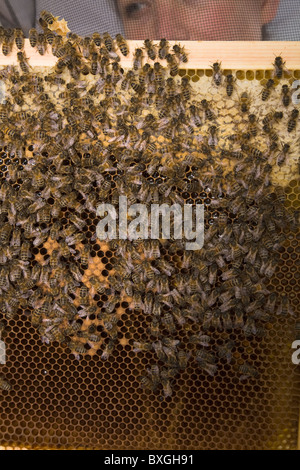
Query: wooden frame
point(254, 55)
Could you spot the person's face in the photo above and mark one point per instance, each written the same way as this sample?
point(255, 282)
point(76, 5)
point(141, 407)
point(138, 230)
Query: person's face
point(207, 20)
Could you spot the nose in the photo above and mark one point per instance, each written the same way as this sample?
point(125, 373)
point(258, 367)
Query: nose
point(169, 21)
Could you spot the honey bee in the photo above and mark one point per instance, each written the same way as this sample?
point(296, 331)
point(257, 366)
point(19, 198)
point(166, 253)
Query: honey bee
point(108, 87)
point(73, 329)
point(76, 348)
point(217, 73)
point(180, 53)
point(42, 44)
point(108, 350)
point(284, 307)
point(207, 110)
point(252, 124)
point(2, 328)
point(5, 232)
point(75, 271)
point(172, 63)
point(154, 328)
point(83, 296)
point(158, 348)
point(144, 74)
point(186, 88)
point(97, 285)
point(273, 116)
point(293, 120)
point(46, 19)
point(146, 383)
point(108, 42)
point(163, 48)
point(249, 327)
point(141, 346)
point(267, 89)
point(57, 44)
point(238, 318)
point(201, 339)
point(94, 63)
point(33, 37)
point(122, 44)
point(117, 73)
point(206, 361)
point(158, 74)
point(183, 358)
point(86, 47)
point(8, 42)
point(55, 80)
point(38, 178)
point(55, 230)
point(54, 259)
point(273, 136)
point(4, 384)
point(170, 88)
point(248, 371)
point(150, 49)
point(286, 96)
point(154, 250)
point(167, 320)
point(256, 153)
point(166, 383)
point(79, 223)
point(65, 250)
point(279, 68)
point(49, 36)
point(244, 102)
point(19, 38)
point(281, 157)
point(229, 84)
point(196, 120)
point(212, 140)
point(170, 343)
point(139, 90)
point(96, 37)
point(16, 237)
point(3, 113)
point(154, 375)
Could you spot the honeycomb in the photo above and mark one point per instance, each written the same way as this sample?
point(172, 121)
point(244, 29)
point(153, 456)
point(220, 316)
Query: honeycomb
point(68, 390)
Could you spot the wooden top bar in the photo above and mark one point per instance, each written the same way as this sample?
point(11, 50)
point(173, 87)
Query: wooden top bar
point(244, 55)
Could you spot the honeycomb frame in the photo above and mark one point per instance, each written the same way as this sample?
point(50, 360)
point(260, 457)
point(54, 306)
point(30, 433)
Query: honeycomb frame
point(54, 400)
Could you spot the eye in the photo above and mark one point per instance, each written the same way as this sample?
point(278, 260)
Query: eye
point(134, 8)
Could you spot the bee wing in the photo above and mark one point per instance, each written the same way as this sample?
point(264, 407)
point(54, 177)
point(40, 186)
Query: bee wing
point(243, 377)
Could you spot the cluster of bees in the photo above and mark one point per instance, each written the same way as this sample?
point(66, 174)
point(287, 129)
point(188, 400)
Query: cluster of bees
point(97, 131)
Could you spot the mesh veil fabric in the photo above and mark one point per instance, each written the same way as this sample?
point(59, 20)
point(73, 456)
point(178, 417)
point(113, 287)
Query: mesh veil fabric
point(84, 17)
point(100, 15)
point(15, 13)
point(284, 27)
